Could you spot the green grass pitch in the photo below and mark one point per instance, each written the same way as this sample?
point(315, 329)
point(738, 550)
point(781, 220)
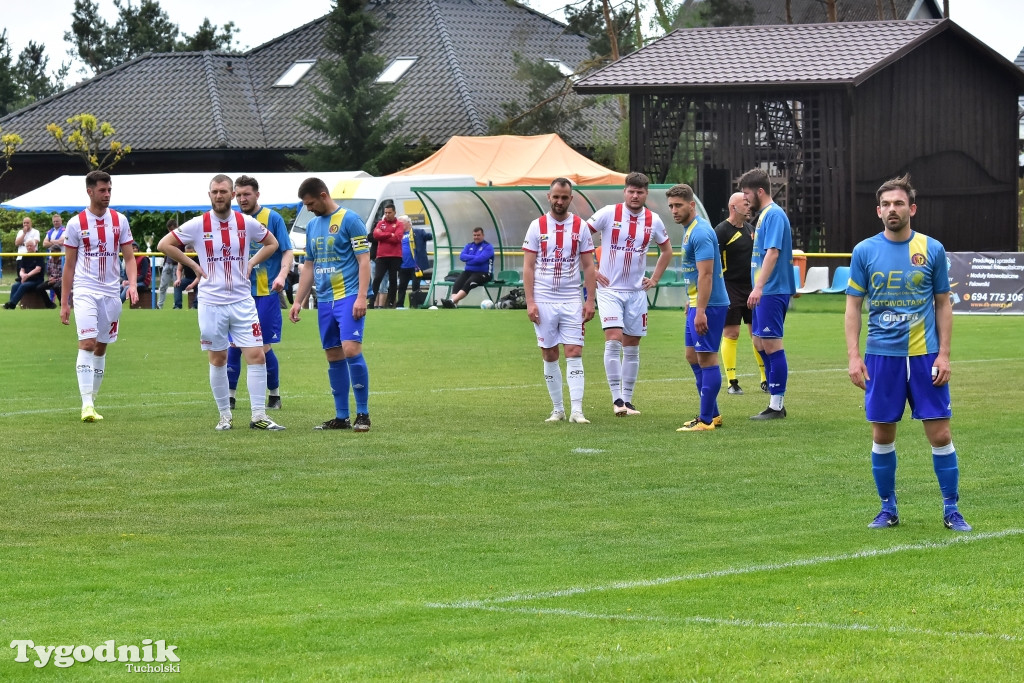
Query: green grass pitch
point(463, 538)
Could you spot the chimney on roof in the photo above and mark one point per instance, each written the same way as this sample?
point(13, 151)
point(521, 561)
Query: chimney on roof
point(229, 67)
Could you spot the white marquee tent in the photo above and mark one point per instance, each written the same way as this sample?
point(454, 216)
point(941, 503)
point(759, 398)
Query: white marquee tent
point(166, 191)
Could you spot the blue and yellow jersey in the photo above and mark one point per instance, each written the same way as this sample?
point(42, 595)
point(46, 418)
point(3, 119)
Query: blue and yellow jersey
point(773, 232)
point(332, 243)
point(263, 275)
point(701, 244)
point(900, 281)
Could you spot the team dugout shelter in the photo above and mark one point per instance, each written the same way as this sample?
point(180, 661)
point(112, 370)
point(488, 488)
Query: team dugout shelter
point(505, 213)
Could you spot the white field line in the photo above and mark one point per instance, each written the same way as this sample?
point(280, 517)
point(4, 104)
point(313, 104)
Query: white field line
point(732, 571)
point(438, 390)
point(750, 623)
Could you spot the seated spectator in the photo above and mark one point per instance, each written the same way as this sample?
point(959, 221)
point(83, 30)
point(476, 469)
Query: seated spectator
point(54, 242)
point(144, 276)
point(30, 275)
point(184, 282)
point(478, 256)
point(52, 281)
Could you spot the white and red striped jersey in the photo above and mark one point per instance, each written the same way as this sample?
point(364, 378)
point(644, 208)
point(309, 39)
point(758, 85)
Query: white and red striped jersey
point(98, 240)
point(222, 249)
point(625, 238)
point(558, 246)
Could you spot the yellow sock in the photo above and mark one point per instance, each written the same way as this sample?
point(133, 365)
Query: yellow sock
point(729, 358)
point(760, 361)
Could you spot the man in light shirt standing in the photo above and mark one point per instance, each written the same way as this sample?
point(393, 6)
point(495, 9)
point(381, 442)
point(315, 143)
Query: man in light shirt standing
point(221, 239)
point(93, 272)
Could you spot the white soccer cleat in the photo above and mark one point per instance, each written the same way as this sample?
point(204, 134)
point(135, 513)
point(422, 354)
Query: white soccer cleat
point(225, 422)
point(556, 416)
point(578, 418)
point(265, 423)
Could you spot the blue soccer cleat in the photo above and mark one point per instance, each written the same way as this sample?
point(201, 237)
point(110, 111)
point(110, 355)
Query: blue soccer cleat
point(955, 521)
point(884, 520)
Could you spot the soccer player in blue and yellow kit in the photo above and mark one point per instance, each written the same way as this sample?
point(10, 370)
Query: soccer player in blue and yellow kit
point(268, 280)
point(708, 304)
point(771, 273)
point(905, 277)
point(338, 262)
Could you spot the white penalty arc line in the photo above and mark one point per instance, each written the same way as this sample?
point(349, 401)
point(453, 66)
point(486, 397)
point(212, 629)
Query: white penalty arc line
point(750, 623)
point(732, 571)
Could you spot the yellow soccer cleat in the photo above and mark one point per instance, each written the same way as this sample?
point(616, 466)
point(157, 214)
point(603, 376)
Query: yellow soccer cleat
point(697, 426)
point(89, 414)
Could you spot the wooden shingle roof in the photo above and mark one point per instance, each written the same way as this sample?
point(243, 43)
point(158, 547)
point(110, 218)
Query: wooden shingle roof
point(775, 56)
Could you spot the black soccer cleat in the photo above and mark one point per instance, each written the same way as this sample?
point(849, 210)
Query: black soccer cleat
point(769, 414)
point(335, 423)
point(273, 403)
point(362, 423)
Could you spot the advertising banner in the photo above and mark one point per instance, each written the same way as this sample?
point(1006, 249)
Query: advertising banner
point(987, 282)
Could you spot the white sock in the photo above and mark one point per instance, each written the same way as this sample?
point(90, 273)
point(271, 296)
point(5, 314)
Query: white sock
point(775, 402)
point(274, 392)
point(613, 367)
point(256, 383)
point(630, 371)
point(553, 378)
point(83, 368)
point(574, 376)
point(231, 392)
point(219, 384)
point(99, 365)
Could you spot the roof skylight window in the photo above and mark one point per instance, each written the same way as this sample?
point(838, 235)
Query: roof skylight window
point(561, 66)
point(294, 73)
point(396, 70)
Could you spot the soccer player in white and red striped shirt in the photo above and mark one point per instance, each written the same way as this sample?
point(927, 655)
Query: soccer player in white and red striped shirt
point(221, 239)
point(627, 231)
point(558, 246)
point(93, 272)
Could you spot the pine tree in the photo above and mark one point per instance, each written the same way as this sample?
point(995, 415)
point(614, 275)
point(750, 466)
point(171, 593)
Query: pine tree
point(352, 126)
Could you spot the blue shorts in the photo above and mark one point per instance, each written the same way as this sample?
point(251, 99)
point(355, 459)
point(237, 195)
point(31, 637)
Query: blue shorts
point(769, 316)
point(337, 324)
point(710, 342)
point(268, 308)
point(897, 380)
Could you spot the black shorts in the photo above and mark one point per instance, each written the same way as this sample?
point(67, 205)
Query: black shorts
point(738, 311)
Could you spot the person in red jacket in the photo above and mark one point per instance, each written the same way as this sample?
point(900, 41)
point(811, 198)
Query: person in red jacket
point(388, 235)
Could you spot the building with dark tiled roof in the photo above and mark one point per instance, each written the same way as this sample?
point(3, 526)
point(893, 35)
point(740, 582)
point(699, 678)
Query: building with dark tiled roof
point(831, 111)
point(208, 111)
point(814, 11)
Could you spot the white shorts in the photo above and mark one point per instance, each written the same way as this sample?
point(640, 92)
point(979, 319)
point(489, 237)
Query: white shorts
point(560, 323)
point(97, 316)
point(625, 309)
point(239, 319)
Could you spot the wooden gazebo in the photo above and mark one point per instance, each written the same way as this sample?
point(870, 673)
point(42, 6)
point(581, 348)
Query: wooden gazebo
point(831, 111)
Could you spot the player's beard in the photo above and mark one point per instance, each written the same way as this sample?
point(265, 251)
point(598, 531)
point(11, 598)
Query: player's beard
point(900, 225)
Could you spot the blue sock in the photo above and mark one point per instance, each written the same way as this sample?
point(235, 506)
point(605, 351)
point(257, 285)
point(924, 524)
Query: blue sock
point(712, 384)
point(337, 375)
point(883, 467)
point(360, 383)
point(698, 374)
point(234, 366)
point(947, 470)
point(780, 373)
point(273, 376)
point(767, 366)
